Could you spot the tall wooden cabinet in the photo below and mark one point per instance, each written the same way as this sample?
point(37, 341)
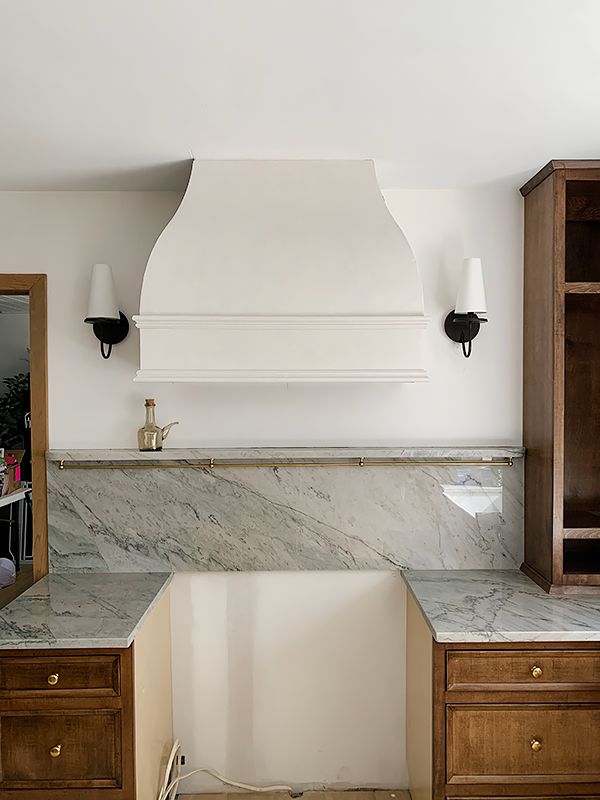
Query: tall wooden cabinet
point(561, 377)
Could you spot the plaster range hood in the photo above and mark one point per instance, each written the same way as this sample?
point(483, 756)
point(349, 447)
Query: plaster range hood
point(282, 271)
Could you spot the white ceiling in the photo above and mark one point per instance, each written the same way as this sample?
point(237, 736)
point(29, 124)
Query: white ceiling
point(118, 93)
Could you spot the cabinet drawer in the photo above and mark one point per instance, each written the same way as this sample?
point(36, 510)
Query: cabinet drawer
point(532, 670)
point(522, 744)
point(64, 675)
point(87, 754)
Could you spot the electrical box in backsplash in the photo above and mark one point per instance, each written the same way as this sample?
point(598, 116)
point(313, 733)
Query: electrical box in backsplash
point(188, 519)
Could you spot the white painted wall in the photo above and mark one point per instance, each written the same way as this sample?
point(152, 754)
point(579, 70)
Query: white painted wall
point(281, 677)
point(14, 341)
point(291, 677)
point(64, 233)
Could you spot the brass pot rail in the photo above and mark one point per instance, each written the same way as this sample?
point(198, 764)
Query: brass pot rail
point(213, 463)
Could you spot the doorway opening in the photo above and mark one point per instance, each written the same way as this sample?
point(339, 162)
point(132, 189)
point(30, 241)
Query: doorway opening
point(23, 433)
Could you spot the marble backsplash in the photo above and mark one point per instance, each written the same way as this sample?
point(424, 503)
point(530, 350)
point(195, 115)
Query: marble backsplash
point(425, 516)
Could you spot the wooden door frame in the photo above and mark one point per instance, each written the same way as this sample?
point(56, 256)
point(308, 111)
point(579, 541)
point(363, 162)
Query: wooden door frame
point(34, 285)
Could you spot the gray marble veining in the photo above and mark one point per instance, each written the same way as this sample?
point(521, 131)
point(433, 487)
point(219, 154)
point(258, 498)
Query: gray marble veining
point(190, 519)
point(500, 606)
point(67, 611)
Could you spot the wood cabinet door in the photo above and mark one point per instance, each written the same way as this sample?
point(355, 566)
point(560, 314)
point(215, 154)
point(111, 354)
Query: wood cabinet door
point(60, 749)
point(522, 744)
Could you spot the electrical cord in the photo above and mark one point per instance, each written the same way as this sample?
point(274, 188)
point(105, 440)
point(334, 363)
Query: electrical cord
point(173, 777)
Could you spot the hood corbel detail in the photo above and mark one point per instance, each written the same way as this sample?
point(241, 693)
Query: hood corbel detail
point(290, 271)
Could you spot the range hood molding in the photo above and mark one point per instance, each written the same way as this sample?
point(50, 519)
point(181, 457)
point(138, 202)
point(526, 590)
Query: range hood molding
point(282, 271)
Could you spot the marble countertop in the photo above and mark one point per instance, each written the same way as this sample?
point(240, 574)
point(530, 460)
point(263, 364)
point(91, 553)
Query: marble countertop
point(81, 610)
point(500, 606)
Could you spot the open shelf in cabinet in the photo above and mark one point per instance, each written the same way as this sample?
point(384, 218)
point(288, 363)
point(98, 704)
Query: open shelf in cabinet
point(581, 557)
point(582, 232)
point(581, 422)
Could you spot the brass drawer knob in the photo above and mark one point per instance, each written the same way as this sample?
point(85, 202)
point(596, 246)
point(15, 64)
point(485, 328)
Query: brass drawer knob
point(53, 679)
point(536, 672)
point(55, 751)
point(536, 745)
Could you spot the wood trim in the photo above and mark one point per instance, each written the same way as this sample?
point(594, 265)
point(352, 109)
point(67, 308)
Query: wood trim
point(514, 646)
point(35, 286)
point(538, 376)
point(439, 721)
point(590, 580)
point(536, 577)
point(579, 169)
point(558, 457)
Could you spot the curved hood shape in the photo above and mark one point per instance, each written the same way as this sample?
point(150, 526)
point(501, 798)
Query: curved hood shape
point(281, 271)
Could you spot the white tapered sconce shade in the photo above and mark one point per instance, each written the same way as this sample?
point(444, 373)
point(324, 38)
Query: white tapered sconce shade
point(102, 303)
point(462, 325)
point(111, 326)
point(471, 293)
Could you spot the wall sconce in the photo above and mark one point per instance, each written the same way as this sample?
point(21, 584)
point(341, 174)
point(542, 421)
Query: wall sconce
point(111, 326)
point(462, 325)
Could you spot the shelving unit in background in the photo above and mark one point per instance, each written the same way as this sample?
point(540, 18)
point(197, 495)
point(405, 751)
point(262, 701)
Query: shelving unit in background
point(561, 376)
point(13, 497)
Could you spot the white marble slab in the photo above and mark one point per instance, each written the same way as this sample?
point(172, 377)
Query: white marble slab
point(81, 611)
point(422, 516)
point(310, 454)
point(500, 606)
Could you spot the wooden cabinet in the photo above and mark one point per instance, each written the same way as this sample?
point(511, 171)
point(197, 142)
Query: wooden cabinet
point(561, 376)
point(504, 720)
point(93, 724)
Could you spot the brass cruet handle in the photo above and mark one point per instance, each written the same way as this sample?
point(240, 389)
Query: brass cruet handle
point(536, 745)
point(55, 751)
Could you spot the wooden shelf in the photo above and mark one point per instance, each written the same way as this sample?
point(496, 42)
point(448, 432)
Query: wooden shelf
point(582, 287)
point(581, 525)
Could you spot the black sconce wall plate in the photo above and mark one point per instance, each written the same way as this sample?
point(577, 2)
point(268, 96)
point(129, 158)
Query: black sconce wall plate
point(111, 332)
point(463, 328)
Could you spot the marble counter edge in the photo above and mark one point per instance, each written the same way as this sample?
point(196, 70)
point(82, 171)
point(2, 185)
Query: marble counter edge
point(499, 636)
point(508, 637)
point(286, 453)
point(424, 614)
point(150, 608)
point(90, 642)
